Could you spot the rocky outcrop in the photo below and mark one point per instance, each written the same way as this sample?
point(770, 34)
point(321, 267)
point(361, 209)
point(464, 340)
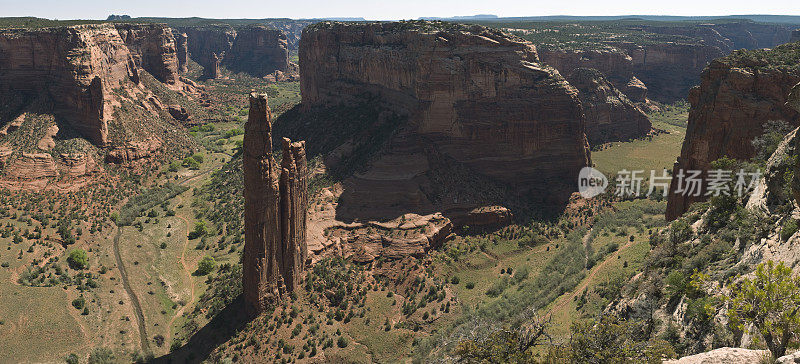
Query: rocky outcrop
point(668, 69)
point(258, 51)
point(724, 356)
point(636, 90)
point(212, 68)
point(182, 52)
point(475, 96)
point(153, 48)
point(610, 115)
point(84, 70)
point(133, 151)
point(294, 203)
point(736, 97)
point(275, 211)
point(255, 50)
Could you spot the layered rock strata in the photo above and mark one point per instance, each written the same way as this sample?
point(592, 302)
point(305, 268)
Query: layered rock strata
point(255, 50)
point(610, 115)
point(275, 211)
point(85, 69)
point(473, 95)
point(737, 96)
point(182, 49)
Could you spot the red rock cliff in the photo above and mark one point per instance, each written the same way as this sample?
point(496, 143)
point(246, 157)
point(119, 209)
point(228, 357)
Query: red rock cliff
point(78, 68)
point(737, 95)
point(610, 115)
point(153, 48)
point(476, 95)
point(255, 50)
point(275, 211)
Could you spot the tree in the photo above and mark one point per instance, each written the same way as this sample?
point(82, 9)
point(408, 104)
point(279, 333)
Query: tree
point(101, 356)
point(78, 259)
point(199, 230)
point(771, 303)
point(206, 265)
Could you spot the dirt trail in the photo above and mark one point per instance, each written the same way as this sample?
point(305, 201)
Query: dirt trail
point(188, 272)
point(137, 307)
point(564, 299)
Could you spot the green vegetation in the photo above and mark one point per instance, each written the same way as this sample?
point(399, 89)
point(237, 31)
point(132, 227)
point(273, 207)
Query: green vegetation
point(78, 259)
point(206, 265)
point(769, 302)
point(139, 204)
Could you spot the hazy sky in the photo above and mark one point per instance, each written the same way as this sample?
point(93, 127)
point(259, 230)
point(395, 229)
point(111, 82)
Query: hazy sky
point(374, 10)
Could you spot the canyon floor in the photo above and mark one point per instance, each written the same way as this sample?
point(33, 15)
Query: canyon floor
point(162, 301)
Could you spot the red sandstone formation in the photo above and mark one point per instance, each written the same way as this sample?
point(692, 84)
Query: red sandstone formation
point(182, 52)
point(153, 49)
point(275, 211)
point(668, 69)
point(80, 67)
point(736, 97)
point(294, 203)
point(256, 50)
point(610, 116)
point(476, 96)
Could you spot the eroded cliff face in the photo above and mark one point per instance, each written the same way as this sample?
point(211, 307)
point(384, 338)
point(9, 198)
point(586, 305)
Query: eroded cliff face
point(668, 70)
point(736, 97)
point(473, 95)
point(84, 69)
point(275, 211)
point(77, 67)
point(610, 115)
point(153, 48)
point(255, 50)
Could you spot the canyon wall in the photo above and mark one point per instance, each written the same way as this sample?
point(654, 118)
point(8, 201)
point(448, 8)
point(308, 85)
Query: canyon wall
point(275, 211)
point(77, 67)
point(668, 68)
point(610, 115)
point(153, 48)
point(737, 95)
point(471, 94)
point(255, 50)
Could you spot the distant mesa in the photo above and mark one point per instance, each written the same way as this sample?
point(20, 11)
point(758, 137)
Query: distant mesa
point(113, 17)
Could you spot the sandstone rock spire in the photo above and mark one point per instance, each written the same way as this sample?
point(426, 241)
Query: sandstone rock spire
point(260, 264)
point(275, 211)
point(294, 201)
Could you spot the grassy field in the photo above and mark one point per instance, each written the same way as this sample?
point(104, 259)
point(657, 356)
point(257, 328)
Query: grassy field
point(643, 154)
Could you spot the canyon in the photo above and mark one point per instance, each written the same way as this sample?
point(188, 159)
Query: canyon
point(669, 68)
point(255, 49)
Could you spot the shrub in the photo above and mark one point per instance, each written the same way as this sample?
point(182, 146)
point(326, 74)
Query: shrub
point(206, 265)
point(102, 356)
point(470, 285)
point(789, 228)
point(79, 303)
point(342, 342)
point(78, 259)
point(199, 230)
point(769, 302)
